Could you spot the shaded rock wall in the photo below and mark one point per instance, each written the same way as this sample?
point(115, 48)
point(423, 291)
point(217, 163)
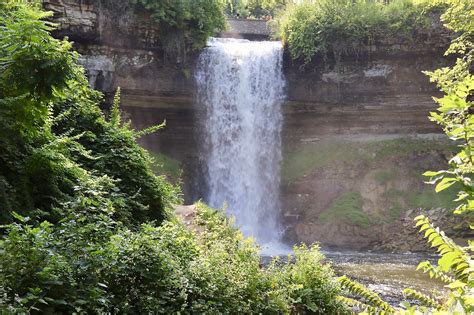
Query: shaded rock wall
point(356, 135)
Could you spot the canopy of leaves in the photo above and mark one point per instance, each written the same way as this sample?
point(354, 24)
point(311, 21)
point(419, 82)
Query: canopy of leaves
point(255, 8)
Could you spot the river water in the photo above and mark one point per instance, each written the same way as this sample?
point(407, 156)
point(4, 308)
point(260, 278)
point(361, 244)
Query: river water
point(384, 273)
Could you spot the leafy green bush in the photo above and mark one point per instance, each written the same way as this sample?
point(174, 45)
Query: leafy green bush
point(337, 27)
point(234, 279)
point(255, 8)
point(196, 19)
point(90, 263)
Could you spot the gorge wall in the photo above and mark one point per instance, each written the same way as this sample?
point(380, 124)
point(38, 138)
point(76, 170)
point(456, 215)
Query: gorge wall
point(356, 136)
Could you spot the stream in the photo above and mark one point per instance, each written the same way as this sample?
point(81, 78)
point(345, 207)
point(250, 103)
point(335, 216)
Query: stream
point(385, 273)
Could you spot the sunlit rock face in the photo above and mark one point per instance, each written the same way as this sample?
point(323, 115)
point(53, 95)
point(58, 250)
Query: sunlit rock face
point(355, 135)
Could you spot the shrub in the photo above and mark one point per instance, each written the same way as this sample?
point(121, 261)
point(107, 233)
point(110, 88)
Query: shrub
point(255, 8)
point(90, 263)
point(337, 27)
point(196, 19)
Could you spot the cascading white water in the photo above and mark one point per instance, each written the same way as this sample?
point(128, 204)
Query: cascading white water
point(241, 86)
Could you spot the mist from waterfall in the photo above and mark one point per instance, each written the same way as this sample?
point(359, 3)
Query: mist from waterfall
point(241, 87)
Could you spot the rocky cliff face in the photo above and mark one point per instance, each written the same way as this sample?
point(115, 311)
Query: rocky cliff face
point(357, 138)
point(356, 134)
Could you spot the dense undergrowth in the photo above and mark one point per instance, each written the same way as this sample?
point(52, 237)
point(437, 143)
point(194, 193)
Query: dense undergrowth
point(91, 263)
point(54, 137)
point(88, 227)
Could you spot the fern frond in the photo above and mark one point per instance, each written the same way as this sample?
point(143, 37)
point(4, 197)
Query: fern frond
point(115, 111)
point(150, 130)
point(357, 304)
point(434, 272)
point(422, 298)
point(372, 298)
point(454, 258)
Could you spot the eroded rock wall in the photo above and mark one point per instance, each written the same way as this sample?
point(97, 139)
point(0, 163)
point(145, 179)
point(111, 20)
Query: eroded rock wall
point(356, 135)
point(357, 139)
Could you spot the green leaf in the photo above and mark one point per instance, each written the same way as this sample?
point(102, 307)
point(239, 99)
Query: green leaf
point(445, 263)
point(445, 183)
point(456, 284)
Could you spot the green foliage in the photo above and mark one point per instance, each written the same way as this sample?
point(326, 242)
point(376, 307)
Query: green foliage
point(255, 8)
point(163, 164)
point(195, 19)
point(455, 111)
point(347, 207)
point(146, 271)
point(54, 136)
point(337, 27)
point(454, 258)
point(358, 305)
point(370, 298)
point(89, 263)
point(311, 282)
point(62, 160)
point(423, 298)
point(302, 284)
point(116, 153)
point(455, 268)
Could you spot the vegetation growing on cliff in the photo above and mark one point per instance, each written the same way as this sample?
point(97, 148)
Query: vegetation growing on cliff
point(255, 8)
point(323, 154)
point(347, 208)
point(337, 27)
point(196, 20)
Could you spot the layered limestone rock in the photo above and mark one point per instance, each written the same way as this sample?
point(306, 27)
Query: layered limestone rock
point(356, 136)
point(357, 139)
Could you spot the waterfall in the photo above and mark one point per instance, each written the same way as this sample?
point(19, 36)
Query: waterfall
point(241, 88)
